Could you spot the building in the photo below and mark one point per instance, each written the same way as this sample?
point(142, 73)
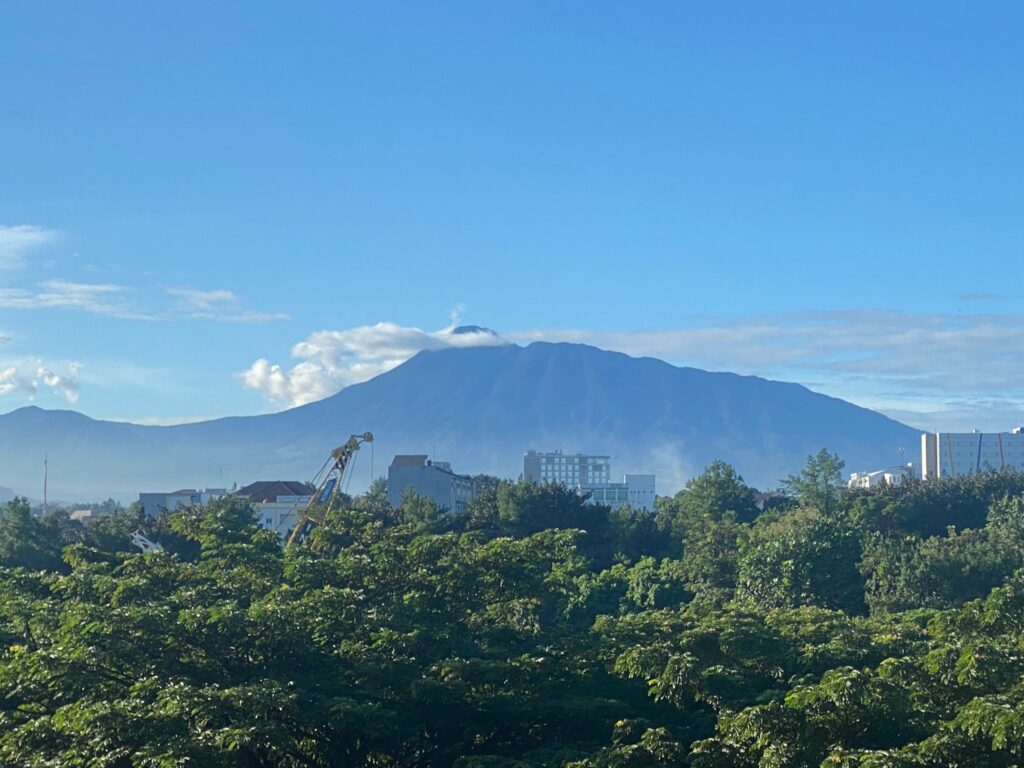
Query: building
point(84, 516)
point(156, 503)
point(277, 503)
point(635, 490)
point(590, 474)
point(946, 454)
point(432, 479)
point(572, 470)
point(891, 476)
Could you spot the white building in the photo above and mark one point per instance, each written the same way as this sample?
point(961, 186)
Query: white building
point(277, 503)
point(590, 474)
point(891, 476)
point(946, 454)
point(635, 490)
point(155, 503)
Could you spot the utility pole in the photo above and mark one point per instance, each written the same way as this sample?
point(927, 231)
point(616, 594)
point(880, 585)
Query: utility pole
point(46, 477)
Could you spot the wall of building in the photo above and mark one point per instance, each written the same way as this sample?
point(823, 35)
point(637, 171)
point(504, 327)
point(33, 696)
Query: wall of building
point(432, 480)
point(591, 474)
point(280, 516)
point(891, 476)
point(156, 503)
point(641, 491)
point(573, 470)
point(945, 454)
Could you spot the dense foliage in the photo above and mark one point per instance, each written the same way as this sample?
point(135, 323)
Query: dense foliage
point(880, 629)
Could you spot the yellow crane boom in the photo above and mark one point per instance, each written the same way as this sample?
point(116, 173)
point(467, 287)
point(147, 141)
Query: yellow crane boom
point(328, 489)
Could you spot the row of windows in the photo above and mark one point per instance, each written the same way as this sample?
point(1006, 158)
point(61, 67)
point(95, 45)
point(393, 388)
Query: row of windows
point(572, 460)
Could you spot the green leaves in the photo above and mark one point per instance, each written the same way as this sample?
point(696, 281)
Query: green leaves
point(539, 631)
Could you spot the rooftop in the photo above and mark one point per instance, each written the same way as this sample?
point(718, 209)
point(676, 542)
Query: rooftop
point(409, 460)
point(269, 490)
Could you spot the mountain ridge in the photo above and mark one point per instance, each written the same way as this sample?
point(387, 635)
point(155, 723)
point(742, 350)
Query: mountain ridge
point(483, 406)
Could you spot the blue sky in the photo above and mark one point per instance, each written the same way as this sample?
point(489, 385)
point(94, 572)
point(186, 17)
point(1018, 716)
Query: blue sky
point(223, 208)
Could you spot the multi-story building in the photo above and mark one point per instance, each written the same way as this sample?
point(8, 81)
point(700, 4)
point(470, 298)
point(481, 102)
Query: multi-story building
point(635, 490)
point(891, 476)
point(432, 479)
point(277, 503)
point(572, 470)
point(945, 454)
point(155, 503)
point(589, 474)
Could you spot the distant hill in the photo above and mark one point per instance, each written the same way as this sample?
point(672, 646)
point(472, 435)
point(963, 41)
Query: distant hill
point(6, 494)
point(479, 408)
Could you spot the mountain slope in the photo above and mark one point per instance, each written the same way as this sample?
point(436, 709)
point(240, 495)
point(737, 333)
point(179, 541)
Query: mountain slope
point(479, 408)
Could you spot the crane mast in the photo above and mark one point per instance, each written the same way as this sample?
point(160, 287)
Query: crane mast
point(328, 489)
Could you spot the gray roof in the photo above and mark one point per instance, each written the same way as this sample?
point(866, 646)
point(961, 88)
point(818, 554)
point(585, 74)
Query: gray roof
point(409, 460)
point(269, 490)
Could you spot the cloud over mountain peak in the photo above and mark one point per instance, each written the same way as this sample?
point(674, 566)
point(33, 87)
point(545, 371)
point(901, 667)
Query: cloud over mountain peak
point(331, 360)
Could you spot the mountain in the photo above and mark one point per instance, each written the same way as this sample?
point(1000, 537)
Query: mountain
point(480, 408)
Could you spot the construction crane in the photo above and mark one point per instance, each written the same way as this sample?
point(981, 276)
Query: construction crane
point(328, 489)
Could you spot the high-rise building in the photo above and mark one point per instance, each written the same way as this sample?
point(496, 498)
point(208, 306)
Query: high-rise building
point(571, 470)
point(945, 454)
point(432, 479)
point(590, 474)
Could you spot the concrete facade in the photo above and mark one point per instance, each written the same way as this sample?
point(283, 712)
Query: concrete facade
point(946, 454)
point(635, 490)
point(155, 503)
point(591, 474)
point(277, 503)
point(280, 515)
point(570, 469)
point(432, 479)
point(891, 476)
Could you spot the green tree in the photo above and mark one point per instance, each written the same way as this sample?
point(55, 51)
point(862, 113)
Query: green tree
point(26, 542)
point(804, 557)
point(716, 492)
point(707, 520)
point(819, 484)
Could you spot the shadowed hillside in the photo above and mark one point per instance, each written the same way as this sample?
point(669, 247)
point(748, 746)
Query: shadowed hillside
point(480, 408)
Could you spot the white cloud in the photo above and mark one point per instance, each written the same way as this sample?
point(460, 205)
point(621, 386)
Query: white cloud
point(918, 367)
point(111, 300)
point(220, 305)
point(27, 377)
point(163, 421)
point(108, 299)
point(64, 384)
point(17, 241)
point(939, 353)
point(332, 360)
point(96, 298)
point(983, 296)
point(11, 381)
point(930, 370)
point(204, 299)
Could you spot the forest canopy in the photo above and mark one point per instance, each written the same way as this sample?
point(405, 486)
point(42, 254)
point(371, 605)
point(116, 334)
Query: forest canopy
point(878, 628)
